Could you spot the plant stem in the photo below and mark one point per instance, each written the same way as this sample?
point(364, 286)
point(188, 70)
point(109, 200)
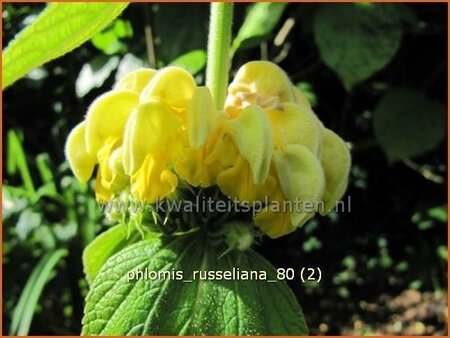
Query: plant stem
point(221, 18)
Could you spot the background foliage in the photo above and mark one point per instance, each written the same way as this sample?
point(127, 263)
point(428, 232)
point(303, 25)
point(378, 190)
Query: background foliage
point(375, 73)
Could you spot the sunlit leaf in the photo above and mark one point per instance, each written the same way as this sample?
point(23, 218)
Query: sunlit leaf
point(60, 28)
point(120, 304)
point(109, 40)
point(261, 19)
point(193, 61)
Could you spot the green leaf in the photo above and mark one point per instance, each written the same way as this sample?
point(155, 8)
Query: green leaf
point(193, 61)
point(108, 41)
point(442, 252)
point(17, 161)
point(407, 123)
point(119, 304)
point(260, 21)
point(357, 40)
point(24, 310)
point(440, 213)
point(60, 28)
point(104, 246)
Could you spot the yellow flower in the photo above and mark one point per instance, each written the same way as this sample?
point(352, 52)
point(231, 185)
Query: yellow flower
point(157, 128)
point(154, 134)
point(94, 139)
point(300, 153)
point(80, 161)
point(127, 132)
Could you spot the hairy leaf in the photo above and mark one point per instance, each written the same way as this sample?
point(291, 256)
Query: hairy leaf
point(60, 28)
point(120, 305)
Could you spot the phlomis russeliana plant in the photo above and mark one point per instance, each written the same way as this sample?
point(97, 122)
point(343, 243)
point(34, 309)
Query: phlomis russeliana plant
point(157, 139)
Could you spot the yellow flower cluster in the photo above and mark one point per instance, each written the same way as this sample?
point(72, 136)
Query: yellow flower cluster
point(157, 128)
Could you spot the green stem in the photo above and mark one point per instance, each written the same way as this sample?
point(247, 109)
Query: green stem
point(221, 18)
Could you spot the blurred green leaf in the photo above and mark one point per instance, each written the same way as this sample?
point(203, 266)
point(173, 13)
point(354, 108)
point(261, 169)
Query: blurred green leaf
point(357, 40)
point(95, 73)
point(439, 213)
point(260, 20)
point(60, 28)
point(193, 61)
point(407, 123)
point(46, 172)
point(109, 40)
point(17, 162)
point(307, 90)
point(312, 244)
point(442, 252)
point(24, 311)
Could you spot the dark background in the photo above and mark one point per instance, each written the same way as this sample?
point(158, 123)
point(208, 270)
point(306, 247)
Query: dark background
point(384, 264)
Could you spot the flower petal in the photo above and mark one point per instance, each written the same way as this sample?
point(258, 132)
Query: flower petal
point(301, 178)
point(136, 81)
point(147, 131)
point(107, 116)
point(272, 220)
point(300, 98)
point(238, 182)
point(262, 78)
point(294, 124)
point(153, 180)
point(252, 134)
point(336, 162)
point(203, 117)
point(173, 85)
point(81, 163)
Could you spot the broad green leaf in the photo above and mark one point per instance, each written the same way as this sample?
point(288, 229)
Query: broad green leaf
point(407, 123)
point(60, 28)
point(357, 40)
point(104, 246)
point(260, 20)
point(120, 304)
point(193, 61)
point(24, 310)
point(109, 40)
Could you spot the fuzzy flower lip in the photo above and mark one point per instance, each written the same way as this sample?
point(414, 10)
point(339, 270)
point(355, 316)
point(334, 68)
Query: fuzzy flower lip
point(157, 132)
